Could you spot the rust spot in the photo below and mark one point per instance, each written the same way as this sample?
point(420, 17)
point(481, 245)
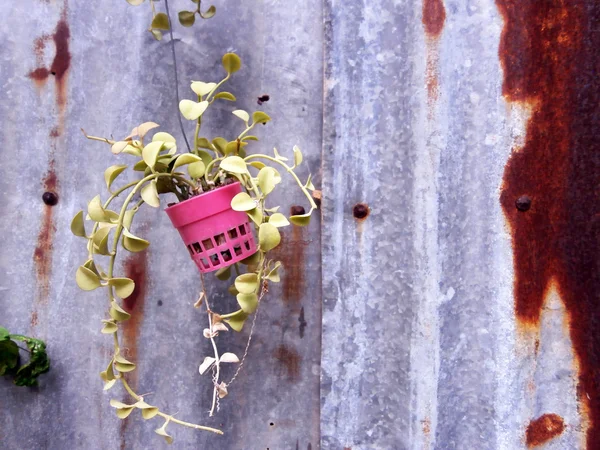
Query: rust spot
point(289, 360)
point(317, 197)
point(550, 55)
point(434, 16)
point(55, 132)
point(361, 211)
point(543, 429)
point(42, 254)
point(60, 64)
point(291, 252)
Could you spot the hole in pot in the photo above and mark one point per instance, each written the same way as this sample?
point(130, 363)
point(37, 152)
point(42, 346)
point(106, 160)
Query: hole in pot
point(272, 424)
point(204, 263)
point(237, 249)
point(226, 255)
point(232, 233)
point(247, 244)
point(243, 229)
point(191, 250)
point(220, 239)
point(207, 244)
point(197, 247)
point(214, 259)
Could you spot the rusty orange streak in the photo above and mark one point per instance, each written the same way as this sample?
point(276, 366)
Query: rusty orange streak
point(550, 53)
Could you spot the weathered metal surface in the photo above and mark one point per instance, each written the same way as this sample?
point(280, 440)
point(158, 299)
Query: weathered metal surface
point(68, 65)
point(441, 116)
point(459, 241)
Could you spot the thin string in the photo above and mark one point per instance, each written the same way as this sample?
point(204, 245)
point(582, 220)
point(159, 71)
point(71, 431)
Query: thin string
point(176, 78)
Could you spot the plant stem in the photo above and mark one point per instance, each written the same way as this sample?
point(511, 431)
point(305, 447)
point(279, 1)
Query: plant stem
point(291, 172)
point(187, 144)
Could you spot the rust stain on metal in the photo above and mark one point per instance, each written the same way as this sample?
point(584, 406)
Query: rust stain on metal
point(289, 360)
point(543, 429)
point(550, 55)
point(42, 255)
point(291, 252)
point(61, 63)
point(434, 17)
point(135, 269)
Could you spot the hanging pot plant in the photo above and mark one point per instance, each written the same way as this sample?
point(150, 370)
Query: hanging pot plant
point(214, 233)
point(223, 214)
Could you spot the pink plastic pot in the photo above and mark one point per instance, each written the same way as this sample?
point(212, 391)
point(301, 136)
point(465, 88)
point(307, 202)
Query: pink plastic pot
point(215, 235)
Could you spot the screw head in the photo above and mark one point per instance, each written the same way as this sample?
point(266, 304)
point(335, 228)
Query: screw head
point(523, 203)
point(50, 198)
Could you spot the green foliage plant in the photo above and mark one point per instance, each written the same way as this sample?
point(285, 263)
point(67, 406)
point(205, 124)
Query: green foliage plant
point(161, 170)
point(11, 365)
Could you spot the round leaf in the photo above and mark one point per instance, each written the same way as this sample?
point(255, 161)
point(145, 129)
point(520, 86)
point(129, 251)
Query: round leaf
point(243, 202)
point(231, 62)
point(301, 220)
point(150, 194)
point(268, 237)
point(112, 173)
point(123, 365)
point(246, 283)
point(192, 110)
point(160, 22)
point(248, 302)
point(151, 151)
point(187, 18)
point(77, 225)
point(109, 327)
point(242, 115)
point(223, 273)
point(86, 279)
point(118, 313)
point(133, 243)
point(266, 180)
point(164, 137)
point(123, 286)
point(236, 321)
point(196, 169)
point(186, 158)
point(226, 96)
point(96, 211)
point(210, 12)
point(234, 164)
point(260, 117)
point(201, 88)
point(278, 220)
point(118, 147)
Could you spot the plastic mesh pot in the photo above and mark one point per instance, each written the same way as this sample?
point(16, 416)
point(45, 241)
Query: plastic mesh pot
point(215, 235)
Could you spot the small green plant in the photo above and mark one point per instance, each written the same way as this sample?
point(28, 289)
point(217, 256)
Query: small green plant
point(24, 374)
point(160, 20)
point(158, 171)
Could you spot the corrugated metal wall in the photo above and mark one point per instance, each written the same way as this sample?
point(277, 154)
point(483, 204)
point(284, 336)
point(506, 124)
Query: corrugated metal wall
point(445, 319)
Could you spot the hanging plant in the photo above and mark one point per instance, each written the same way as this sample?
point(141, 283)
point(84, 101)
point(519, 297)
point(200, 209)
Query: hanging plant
point(223, 214)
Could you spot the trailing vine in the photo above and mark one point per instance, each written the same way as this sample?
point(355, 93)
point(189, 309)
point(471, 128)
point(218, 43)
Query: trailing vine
point(210, 165)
